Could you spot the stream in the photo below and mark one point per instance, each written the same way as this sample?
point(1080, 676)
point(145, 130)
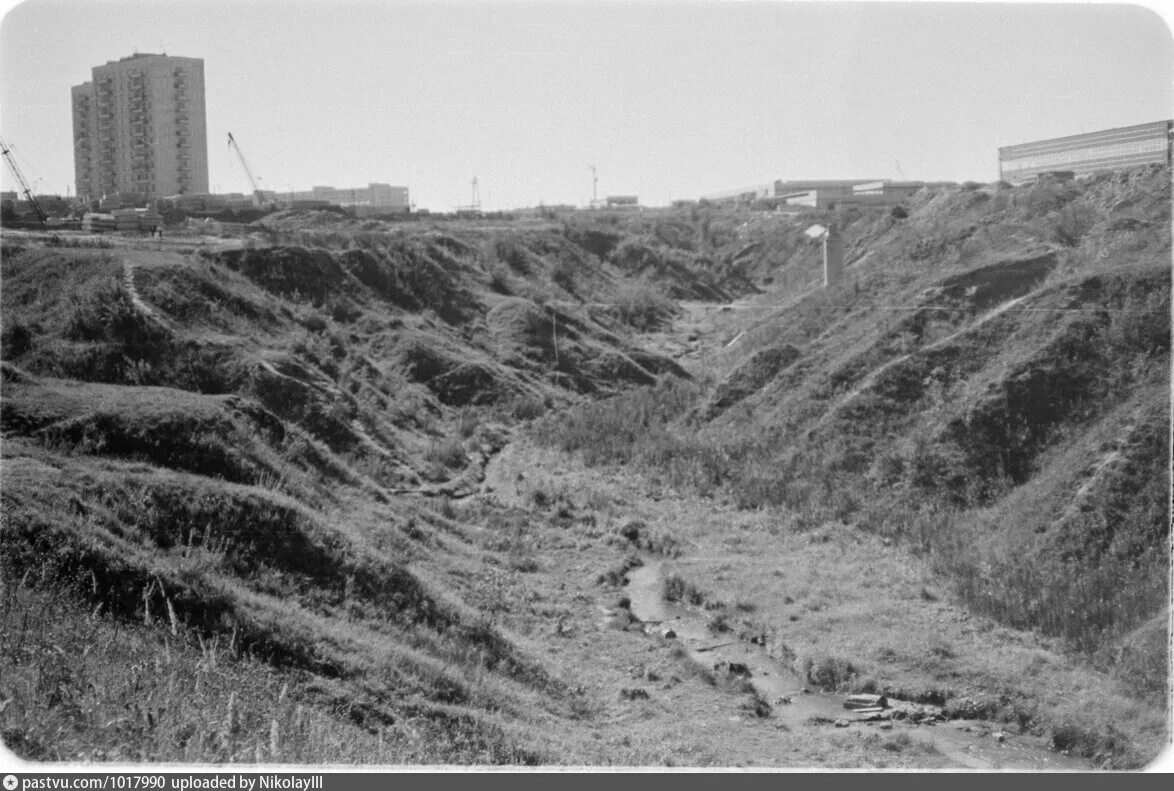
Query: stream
point(968, 744)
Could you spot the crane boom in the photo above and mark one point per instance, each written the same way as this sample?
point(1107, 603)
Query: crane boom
point(258, 196)
point(24, 185)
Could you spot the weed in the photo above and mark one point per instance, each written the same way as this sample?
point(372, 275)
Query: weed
point(528, 408)
point(617, 576)
point(676, 589)
point(758, 705)
point(828, 672)
point(448, 453)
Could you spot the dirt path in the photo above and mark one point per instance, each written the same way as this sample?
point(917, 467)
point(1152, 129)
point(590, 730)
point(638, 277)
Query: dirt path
point(128, 282)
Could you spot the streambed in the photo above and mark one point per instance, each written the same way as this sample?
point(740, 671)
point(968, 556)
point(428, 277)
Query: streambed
point(968, 744)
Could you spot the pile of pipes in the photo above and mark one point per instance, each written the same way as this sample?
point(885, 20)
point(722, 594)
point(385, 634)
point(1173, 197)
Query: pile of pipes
point(99, 223)
point(132, 220)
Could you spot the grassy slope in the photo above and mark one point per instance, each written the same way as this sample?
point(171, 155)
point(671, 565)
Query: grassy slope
point(989, 388)
point(231, 470)
point(212, 445)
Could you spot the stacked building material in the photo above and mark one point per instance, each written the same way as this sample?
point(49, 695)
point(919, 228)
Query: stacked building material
point(149, 219)
point(99, 223)
point(126, 219)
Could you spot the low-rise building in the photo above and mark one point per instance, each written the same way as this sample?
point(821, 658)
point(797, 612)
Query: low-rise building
point(1108, 149)
point(741, 196)
point(819, 193)
point(375, 198)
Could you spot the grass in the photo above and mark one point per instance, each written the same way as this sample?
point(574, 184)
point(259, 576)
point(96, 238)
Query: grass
point(219, 488)
point(958, 450)
point(82, 687)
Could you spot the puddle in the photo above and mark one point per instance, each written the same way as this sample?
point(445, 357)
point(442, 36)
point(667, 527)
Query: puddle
point(775, 680)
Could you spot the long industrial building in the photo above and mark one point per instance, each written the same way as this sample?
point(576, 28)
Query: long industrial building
point(821, 193)
point(139, 128)
point(374, 197)
point(1109, 149)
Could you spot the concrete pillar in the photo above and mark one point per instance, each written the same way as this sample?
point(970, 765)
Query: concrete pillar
point(833, 256)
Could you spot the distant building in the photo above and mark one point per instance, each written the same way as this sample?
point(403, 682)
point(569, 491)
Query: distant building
point(743, 195)
point(375, 198)
point(622, 201)
point(831, 193)
point(820, 193)
point(139, 129)
point(1109, 149)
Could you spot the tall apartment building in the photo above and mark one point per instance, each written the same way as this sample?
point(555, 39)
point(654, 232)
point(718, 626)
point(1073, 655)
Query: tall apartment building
point(139, 128)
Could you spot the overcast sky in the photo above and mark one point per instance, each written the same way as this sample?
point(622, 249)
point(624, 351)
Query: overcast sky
point(667, 99)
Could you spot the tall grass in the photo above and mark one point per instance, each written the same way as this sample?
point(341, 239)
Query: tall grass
point(81, 686)
point(82, 683)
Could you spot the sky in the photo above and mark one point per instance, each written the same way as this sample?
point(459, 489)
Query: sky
point(668, 100)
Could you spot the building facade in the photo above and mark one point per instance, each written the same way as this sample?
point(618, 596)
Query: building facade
point(139, 128)
point(1109, 149)
point(744, 195)
point(375, 198)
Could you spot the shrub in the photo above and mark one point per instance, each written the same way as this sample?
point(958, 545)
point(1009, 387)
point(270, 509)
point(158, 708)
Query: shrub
point(514, 255)
point(1071, 223)
point(15, 341)
point(719, 622)
point(528, 407)
point(644, 307)
point(564, 275)
point(676, 589)
point(314, 323)
point(827, 672)
point(499, 280)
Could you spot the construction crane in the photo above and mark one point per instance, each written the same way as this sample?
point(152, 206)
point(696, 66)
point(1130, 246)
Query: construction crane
point(24, 185)
point(258, 196)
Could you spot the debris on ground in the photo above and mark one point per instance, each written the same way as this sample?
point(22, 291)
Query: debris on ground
point(860, 702)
